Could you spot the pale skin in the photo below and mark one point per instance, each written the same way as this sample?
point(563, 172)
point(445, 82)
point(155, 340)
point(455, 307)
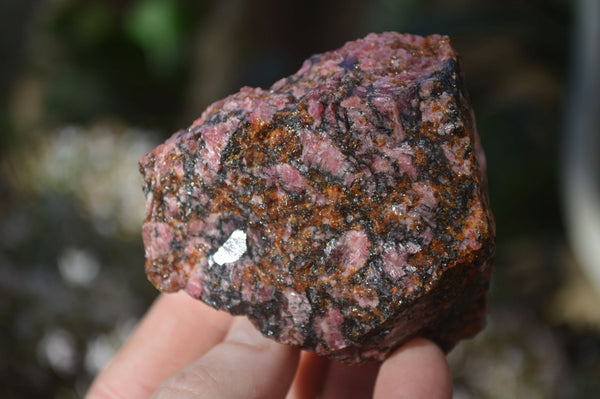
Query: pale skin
point(184, 349)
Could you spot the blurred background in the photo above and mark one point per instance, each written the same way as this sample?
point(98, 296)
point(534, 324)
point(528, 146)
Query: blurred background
point(87, 87)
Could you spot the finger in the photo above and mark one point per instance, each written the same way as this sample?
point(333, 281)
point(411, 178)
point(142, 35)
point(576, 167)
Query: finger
point(416, 370)
point(176, 331)
point(244, 365)
point(350, 380)
point(310, 376)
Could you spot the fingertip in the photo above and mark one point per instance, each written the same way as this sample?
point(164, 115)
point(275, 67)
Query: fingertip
point(418, 369)
point(350, 380)
point(310, 376)
point(191, 309)
point(265, 353)
point(245, 364)
point(243, 332)
point(175, 331)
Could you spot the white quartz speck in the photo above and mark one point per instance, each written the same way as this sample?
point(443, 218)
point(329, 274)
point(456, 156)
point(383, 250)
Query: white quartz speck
point(231, 250)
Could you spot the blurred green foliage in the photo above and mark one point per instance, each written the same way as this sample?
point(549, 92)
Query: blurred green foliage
point(127, 59)
point(156, 26)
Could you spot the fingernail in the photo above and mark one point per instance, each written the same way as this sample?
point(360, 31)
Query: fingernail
point(243, 331)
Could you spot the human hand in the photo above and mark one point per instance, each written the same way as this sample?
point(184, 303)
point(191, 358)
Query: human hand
point(185, 349)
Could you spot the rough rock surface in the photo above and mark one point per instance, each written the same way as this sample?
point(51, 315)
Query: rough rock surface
point(344, 210)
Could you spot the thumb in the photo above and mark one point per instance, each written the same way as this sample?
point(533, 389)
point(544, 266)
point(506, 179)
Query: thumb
point(418, 369)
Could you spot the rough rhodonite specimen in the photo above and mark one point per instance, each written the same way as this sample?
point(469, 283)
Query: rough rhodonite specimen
point(344, 209)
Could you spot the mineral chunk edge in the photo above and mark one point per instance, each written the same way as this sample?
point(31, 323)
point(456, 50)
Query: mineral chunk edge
point(344, 210)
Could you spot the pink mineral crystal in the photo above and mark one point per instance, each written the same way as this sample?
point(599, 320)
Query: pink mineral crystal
point(343, 210)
